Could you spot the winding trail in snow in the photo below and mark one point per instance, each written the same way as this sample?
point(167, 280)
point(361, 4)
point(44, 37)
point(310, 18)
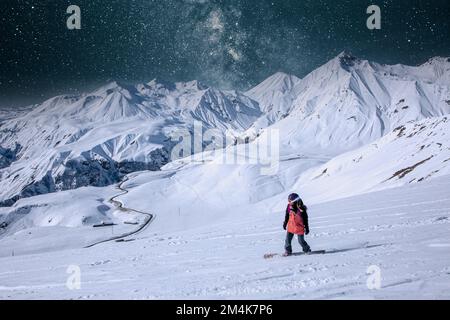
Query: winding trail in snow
point(119, 205)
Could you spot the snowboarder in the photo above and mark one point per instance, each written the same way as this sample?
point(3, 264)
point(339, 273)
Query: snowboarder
point(296, 223)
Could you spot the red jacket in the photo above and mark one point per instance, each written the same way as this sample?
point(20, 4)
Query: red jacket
point(296, 222)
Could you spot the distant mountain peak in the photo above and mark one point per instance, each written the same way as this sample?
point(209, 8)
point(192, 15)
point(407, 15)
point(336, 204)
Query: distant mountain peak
point(280, 81)
point(112, 87)
point(194, 84)
point(438, 60)
point(347, 60)
point(281, 74)
point(345, 53)
point(161, 83)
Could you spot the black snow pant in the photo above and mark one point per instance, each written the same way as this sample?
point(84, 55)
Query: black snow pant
point(301, 240)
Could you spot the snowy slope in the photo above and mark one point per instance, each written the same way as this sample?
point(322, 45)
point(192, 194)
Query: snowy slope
point(412, 153)
point(214, 222)
point(204, 186)
point(202, 190)
point(403, 231)
point(62, 220)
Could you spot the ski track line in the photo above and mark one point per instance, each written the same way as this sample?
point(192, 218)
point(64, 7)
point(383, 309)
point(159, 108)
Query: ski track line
point(150, 217)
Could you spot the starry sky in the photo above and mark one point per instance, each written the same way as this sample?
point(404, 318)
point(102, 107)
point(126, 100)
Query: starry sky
point(224, 43)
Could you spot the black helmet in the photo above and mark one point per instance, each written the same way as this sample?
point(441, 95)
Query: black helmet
point(293, 197)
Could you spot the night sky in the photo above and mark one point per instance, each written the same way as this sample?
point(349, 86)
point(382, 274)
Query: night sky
point(227, 44)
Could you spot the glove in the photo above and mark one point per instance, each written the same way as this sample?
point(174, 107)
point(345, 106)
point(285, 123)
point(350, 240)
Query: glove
point(307, 231)
point(284, 226)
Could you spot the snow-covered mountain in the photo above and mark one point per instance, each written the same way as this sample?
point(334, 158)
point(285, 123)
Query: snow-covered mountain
point(94, 139)
point(349, 102)
point(275, 95)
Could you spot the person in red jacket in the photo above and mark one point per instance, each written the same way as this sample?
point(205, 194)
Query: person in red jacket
point(296, 223)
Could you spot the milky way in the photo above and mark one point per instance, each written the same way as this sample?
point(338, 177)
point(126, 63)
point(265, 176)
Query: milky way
point(227, 44)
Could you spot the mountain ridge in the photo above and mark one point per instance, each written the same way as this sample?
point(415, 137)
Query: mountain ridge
point(119, 128)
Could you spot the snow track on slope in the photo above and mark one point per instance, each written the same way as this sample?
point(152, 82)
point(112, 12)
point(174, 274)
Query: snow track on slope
point(149, 217)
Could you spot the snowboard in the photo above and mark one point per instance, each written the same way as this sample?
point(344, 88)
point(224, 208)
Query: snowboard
point(272, 255)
